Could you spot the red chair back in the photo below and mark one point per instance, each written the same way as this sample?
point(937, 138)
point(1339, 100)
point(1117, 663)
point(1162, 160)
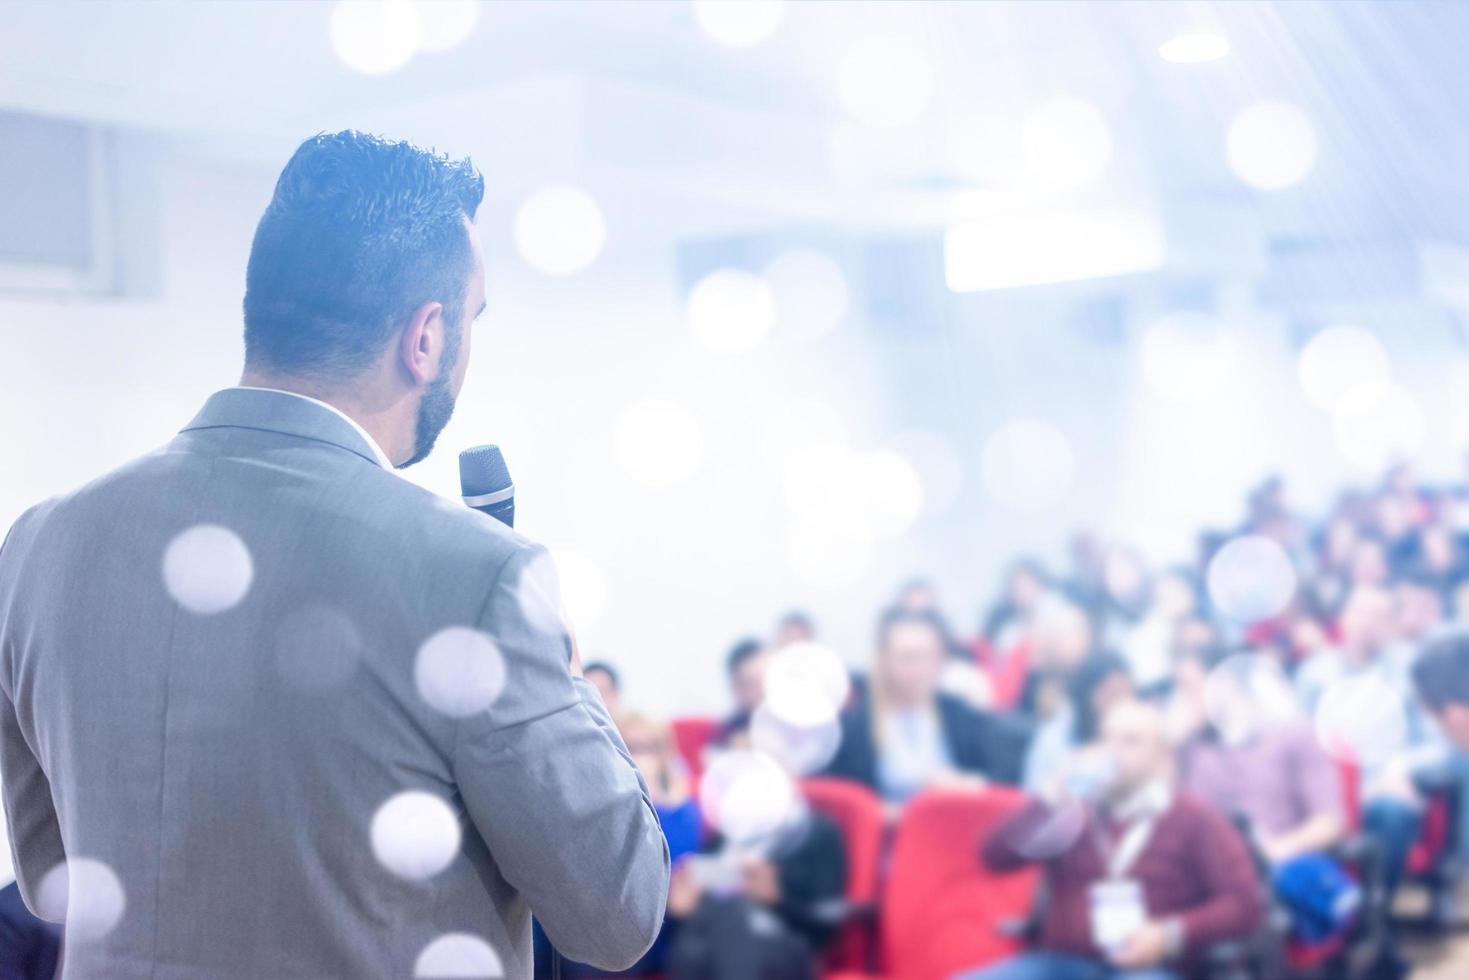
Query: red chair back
point(857, 812)
point(692, 736)
point(1351, 789)
point(942, 909)
point(1433, 841)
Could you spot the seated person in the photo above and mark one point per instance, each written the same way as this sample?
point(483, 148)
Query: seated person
point(29, 947)
point(608, 682)
point(744, 666)
point(907, 734)
point(1441, 678)
point(759, 910)
point(651, 745)
point(1098, 682)
point(1251, 755)
point(1148, 880)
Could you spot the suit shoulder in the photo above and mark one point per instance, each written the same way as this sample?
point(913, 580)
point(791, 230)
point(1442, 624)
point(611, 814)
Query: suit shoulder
point(454, 529)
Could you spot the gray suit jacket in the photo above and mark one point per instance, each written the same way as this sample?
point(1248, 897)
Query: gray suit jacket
point(219, 727)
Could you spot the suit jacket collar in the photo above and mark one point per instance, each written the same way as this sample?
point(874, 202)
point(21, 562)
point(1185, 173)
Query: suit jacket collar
point(279, 411)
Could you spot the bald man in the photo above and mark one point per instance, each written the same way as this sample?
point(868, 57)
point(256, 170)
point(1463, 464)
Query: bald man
point(1148, 878)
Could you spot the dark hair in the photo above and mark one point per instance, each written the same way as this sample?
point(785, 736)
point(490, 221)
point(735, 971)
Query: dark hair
point(360, 232)
point(1089, 675)
point(798, 619)
point(1441, 672)
point(606, 668)
point(895, 616)
point(740, 652)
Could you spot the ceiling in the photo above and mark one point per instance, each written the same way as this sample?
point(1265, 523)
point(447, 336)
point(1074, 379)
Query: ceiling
point(633, 96)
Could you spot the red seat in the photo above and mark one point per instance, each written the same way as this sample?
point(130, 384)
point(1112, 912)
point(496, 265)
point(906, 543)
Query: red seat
point(942, 910)
point(1431, 845)
point(857, 812)
point(692, 736)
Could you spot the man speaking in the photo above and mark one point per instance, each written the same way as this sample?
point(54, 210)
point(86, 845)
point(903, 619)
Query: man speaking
point(269, 710)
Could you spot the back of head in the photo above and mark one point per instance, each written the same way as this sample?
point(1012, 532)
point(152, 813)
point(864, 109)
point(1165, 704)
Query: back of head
point(1441, 672)
point(359, 233)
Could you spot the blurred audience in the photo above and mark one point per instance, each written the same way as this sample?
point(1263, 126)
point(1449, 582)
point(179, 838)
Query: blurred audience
point(607, 682)
point(1147, 879)
point(907, 734)
point(761, 909)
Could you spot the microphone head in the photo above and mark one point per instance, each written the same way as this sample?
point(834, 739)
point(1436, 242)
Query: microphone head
point(484, 480)
point(482, 470)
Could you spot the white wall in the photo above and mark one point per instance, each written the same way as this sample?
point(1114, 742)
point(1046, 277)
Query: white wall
point(92, 382)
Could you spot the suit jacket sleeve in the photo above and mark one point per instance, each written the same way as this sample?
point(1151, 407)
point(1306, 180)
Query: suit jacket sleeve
point(35, 834)
point(550, 786)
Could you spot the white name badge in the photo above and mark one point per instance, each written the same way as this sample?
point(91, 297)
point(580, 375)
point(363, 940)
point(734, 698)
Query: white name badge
point(1117, 912)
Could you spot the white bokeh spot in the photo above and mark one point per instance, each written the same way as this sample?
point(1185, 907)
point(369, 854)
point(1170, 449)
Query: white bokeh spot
point(459, 671)
point(560, 230)
point(84, 893)
point(1028, 465)
point(415, 835)
point(739, 23)
point(207, 569)
point(375, 37)
point(731, 310)
point(746, 795)
point(1251, 578)
point(1272, 145)
point(458, 956)
point(1338, 360)
point(657, 443)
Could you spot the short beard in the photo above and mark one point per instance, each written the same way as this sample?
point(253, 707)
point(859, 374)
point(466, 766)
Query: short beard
point(437, 405)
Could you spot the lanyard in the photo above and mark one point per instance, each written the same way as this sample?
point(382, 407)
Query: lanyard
point(1118, 860)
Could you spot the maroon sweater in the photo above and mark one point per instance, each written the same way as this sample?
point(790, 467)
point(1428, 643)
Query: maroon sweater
point(1195, 866)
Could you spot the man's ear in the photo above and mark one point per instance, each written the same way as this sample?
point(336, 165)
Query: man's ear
point(422, 343)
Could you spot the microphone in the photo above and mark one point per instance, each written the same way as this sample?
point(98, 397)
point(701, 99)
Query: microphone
point(484, 480)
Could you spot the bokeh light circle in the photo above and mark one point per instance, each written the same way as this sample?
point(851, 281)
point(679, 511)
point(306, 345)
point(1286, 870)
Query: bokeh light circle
point(746, 795)
point(1194, 49)
point(739, 23)
point(207, 569)
point(458, 956)
point(1361, 718)
point(938, 464)
point(1338, 360)
point(1028, 465)
point(560, 230)
point(806, 684)
point(1375, 426)
point(1251, 578)
point(375, 37)
point(415, 835)
point(802, 749)
point(731, 310)
point(657, 443)
point(446, 23)
point(1272, 145)
point(459, 671)
point(84, 893)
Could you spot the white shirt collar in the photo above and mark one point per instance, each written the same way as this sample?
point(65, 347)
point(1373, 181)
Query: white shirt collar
point(377, 450)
